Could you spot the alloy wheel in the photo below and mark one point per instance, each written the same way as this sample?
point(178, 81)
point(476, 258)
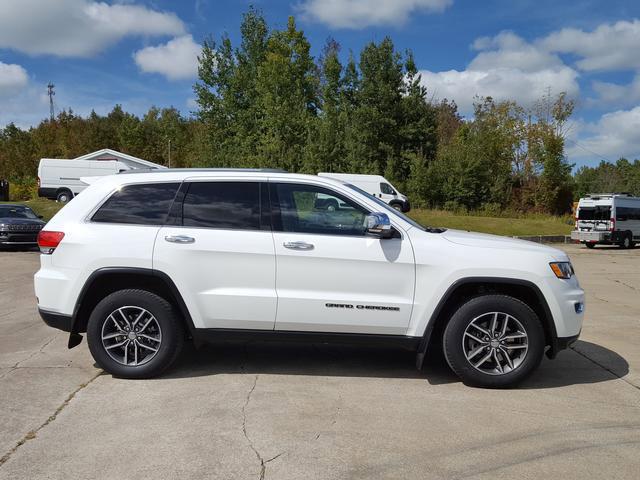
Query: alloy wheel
point(495, 343)
point(131, 335)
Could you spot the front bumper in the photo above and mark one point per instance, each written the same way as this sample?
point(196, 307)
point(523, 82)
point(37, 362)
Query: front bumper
point(566, 342)
point(18, 238)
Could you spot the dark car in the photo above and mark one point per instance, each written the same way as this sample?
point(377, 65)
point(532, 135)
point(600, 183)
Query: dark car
point(19, 225)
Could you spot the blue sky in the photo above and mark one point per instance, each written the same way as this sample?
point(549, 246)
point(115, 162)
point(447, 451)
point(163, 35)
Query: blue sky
point(140, 53)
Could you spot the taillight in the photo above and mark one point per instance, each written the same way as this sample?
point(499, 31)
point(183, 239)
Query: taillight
point(576, 223)
point(38, 182)
point(613, 225)
point(49, 241)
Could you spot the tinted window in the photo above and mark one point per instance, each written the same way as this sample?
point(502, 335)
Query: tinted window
point(234, 205)
point(310, 209)
point(387, 189)
point(8, 211)
point(138, 204)
point(627, 213)
point(594, 213)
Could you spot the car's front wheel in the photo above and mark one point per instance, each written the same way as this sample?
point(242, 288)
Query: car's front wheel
point(134, 334)
point(493, 341)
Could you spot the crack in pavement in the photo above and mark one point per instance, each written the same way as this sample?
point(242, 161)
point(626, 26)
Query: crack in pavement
point(263, 462)
point(33, 433)
point(625, 284)
point(29, 357)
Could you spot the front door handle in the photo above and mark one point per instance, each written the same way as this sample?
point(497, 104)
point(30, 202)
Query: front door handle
point(179, 239)
point(298, 245)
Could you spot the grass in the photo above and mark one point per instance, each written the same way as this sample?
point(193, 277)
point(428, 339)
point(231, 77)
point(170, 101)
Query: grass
point(533, 224)
point(42, 206)
point(509, 226)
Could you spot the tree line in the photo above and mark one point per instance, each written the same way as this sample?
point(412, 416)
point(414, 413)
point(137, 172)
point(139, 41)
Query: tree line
point(267, 102)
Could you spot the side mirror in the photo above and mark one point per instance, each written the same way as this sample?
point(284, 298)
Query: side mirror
point(379, 225)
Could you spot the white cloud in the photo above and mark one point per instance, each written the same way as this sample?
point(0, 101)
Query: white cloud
point(358, 14)
point(614, 135)
point(608, 47)
point(13, 78)
point(177, 59)
point(508, 50)
point(77, 28)
point(614, 95)
point(506, 68)
point(26, 107)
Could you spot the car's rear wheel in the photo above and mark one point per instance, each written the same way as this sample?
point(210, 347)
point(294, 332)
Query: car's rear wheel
point(134, 334)
point(493, 341)
point(627, 241)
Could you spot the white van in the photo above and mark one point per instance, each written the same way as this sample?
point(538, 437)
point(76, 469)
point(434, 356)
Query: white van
point(607, 219)
point(60, 179)
point(376, 185)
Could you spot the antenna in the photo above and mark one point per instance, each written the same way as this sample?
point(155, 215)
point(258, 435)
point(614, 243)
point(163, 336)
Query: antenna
point(51, 93)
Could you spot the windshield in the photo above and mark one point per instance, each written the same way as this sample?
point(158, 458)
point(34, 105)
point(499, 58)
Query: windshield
point(600, 212)
point(12, 211)
point(395, 212)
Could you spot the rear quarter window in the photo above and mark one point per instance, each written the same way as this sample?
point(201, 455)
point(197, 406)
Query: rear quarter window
point(145, 204)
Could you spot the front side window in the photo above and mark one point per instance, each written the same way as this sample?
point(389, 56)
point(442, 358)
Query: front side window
point(387, 189)
point(146, 204)
point(229, 205)
point(312, 209)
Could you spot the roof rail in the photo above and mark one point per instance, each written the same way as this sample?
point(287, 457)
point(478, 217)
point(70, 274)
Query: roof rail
point(167, 170)
point(613, 194)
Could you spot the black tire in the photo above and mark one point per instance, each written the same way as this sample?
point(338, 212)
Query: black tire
point(170, 326)
point(590, 245)
point(332, 205)
point(627, 241)
point(485, 305)
point(64, 196)
point(397, 206)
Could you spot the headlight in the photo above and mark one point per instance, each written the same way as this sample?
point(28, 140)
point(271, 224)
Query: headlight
point(562, 270)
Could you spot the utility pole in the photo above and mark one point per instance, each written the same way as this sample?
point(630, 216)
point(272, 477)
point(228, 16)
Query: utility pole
point(169, 153)
point(51, 93)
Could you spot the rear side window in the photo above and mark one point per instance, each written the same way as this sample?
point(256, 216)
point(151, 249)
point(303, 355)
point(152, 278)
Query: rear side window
point(230, 205)
point(138, 204)
point(627, 213)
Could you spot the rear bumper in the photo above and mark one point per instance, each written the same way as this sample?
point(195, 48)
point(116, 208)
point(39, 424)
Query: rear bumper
point(597, 237)
point(56, 320)
point(584, 236)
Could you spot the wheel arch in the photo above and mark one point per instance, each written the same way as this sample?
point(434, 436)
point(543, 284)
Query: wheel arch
point(466, 288)
point(107, 280)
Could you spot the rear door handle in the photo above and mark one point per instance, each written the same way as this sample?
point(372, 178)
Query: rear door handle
point(179, 239)
point(298, 245)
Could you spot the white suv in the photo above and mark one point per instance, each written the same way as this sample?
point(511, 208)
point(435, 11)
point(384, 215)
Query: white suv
point(143, 261)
